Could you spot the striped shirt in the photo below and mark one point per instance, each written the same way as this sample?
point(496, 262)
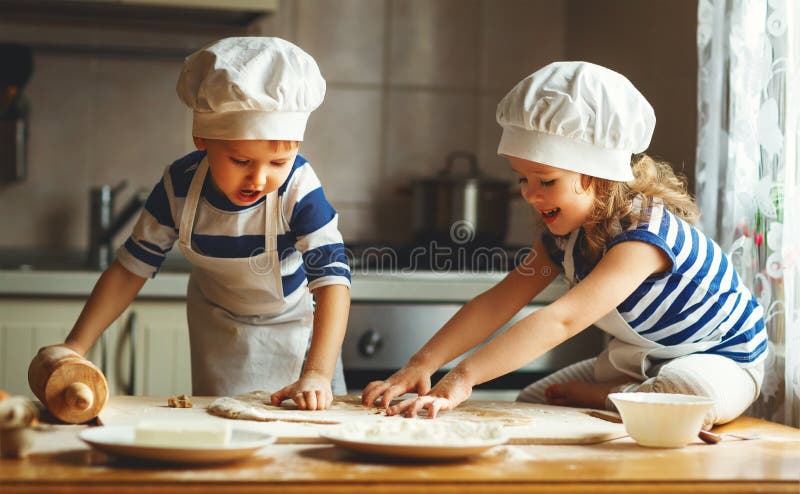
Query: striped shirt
point(701, 297)
point(310, 246)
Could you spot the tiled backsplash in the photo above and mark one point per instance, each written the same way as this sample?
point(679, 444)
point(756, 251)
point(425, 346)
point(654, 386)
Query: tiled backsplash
point(408, 81)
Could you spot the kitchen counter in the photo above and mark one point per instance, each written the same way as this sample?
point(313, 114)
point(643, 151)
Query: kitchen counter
point(366, 287)
point(60, 462)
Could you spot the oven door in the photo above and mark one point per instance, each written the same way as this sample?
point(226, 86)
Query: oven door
point(381, 337)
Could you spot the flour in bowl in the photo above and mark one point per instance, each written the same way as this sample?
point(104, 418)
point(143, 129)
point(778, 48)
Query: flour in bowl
point(422, 432)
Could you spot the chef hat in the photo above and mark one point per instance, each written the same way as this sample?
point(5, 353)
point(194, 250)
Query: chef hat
point(251, 88)
point(576, 116)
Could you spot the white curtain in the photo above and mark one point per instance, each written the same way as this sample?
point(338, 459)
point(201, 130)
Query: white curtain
point(748, 178)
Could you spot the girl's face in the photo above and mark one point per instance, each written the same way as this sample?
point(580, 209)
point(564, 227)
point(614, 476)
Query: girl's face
point(245, 171)
point(556, 194)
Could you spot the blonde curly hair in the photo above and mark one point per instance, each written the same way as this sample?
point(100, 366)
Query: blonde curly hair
point(614, 201)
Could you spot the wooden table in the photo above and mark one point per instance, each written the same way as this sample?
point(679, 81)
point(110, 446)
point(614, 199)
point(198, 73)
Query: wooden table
point(60, 462)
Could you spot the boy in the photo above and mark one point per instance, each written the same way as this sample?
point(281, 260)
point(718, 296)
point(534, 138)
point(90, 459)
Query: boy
point(248, 212)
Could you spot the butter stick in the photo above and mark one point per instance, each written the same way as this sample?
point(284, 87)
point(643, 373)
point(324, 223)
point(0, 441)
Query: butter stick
point(174, 434)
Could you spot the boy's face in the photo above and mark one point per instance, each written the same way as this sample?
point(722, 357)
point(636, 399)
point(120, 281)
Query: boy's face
point(556, 194)
point(245, 171)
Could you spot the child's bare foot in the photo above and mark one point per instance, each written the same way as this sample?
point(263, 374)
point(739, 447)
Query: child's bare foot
point(579, 394)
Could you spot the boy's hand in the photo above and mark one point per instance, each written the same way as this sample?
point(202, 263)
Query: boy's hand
point(310, 392)
point(411, 378)
point(448, 393)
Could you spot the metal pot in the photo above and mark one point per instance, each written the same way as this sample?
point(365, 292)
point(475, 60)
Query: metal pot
point(463, 209)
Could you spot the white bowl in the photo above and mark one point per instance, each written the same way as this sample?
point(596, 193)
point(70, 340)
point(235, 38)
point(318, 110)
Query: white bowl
point(662, 420)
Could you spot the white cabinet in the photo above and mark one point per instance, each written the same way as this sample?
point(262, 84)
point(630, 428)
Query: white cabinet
point(29, 324)
point(158, 330)
point(161, 348)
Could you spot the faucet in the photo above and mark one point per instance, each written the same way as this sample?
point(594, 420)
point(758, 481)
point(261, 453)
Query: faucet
point(104, 224)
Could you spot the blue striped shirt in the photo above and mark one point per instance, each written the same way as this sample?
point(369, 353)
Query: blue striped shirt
point(701, 297)
point(310, 246)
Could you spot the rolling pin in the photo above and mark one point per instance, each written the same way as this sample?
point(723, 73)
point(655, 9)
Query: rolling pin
point(72, 388)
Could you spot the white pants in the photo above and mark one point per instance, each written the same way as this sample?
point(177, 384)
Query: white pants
point(731, 387)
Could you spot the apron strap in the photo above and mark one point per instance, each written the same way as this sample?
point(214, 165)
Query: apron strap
point(272, 215)
point(190, 205)
point(569, 260)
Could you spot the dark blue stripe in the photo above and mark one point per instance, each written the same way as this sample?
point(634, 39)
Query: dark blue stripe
point(691, 287)
point(155, 247)
point(680, 239)
point(299, 161)
point(752, 305)
point(743, 357)
point(228, 247)
point(670, 286)
point(686, 334)
point(723, 323)
point(286, 245)
point(329, 271)
point(739, 356)
point(647, 237)
point(722, 269)
point(181, 179)
point(143, 255)
point(311, 213)
point(743, 337)
point(704, 319)
point(293, 281)
point(157, 205)
point(239, 247)
point(324, 255)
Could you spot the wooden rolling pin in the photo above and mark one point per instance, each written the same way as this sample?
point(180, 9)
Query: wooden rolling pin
point(72, 388)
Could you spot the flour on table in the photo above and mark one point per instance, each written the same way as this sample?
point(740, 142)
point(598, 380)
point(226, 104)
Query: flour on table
point(421, 432)
point(256, 406)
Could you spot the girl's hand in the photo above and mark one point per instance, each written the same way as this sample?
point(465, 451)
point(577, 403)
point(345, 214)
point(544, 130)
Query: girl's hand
point(311, 392)
point(411, 378)
point(448, 393)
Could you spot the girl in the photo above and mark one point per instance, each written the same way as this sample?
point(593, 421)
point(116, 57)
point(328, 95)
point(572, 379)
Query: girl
point(679, 317)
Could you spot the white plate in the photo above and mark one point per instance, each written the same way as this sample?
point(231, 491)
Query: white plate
point(414, 451)
point(418, 438)
point(119, 440)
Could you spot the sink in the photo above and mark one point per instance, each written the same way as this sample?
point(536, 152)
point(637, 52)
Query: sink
point(72, 260)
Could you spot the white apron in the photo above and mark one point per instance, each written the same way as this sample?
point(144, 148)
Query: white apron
point(628, 352)
point(233, 353)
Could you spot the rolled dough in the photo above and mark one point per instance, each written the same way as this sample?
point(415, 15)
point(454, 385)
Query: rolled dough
point(256, 406)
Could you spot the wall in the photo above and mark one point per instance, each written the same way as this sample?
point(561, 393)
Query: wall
point(653, 43)
point(408, 81)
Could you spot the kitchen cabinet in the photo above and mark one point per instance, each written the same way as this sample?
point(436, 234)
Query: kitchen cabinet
point(160, 335)
point(29, 324)
point(157, 329)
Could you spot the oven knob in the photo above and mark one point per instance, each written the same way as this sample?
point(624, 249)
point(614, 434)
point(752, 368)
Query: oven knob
point(370, 343)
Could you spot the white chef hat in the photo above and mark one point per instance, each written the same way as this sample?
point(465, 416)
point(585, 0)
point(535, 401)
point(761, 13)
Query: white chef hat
point(251, 88)
point(576, 116)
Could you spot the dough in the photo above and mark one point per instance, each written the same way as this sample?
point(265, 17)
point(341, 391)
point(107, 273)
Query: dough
point(256, 406)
